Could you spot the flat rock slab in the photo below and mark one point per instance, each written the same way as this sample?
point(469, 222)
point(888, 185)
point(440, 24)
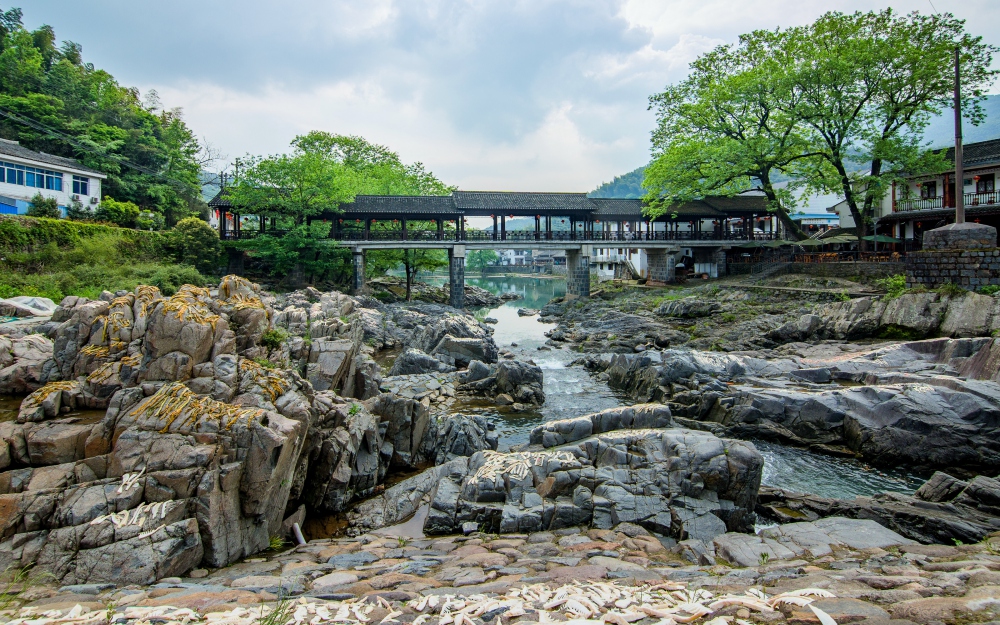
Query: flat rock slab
point(842, 610)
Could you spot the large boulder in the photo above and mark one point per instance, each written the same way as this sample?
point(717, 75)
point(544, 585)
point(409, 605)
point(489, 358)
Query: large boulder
point(414, 361)
point(456, 339)
point(642, 416)
point(22, 363)
point(182, 332)
point(676, 482)
point(688, 307)
point(920, 425)
point(162, 484)
point(520, 381)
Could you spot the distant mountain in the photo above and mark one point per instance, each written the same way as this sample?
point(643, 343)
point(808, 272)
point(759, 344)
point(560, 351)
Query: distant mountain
point(625, 186)
point(939, 133)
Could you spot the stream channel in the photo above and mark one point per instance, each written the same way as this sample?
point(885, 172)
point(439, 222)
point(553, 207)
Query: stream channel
point(570, 391)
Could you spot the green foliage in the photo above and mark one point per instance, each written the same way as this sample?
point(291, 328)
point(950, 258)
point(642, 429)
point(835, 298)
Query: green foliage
point(354, 409)
point(78, 212)
point(808, 102)
point(899, 333)
point(477, 259)
point(277, 543)
point(951, 290)
point(124, 214)
point(196, 243)
point(894, 285)
point(15, 583)
point(307, 246)
point(843, 297)
point(267, 364)
point(282, 610)
point(990, 289)
point(108, 123)
point(273, 338)
point(763, 558)
point(42, 206)
point(55, 258)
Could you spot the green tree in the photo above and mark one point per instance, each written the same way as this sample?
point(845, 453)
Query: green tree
point(124, 214)
point(78, 212)
point(42, 206)
point(196, 243)
point(721, 131)
point(477, 259)
point(69, 108)
point(867, 85)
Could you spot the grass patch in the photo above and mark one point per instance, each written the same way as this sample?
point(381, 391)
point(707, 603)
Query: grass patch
point(990, 289)
point(273, 338)
point(894, 285)
point(895, 332)
point(54, 258)
point(951, 290)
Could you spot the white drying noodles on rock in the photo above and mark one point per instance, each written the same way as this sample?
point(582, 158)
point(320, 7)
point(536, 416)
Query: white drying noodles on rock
point(578, 603)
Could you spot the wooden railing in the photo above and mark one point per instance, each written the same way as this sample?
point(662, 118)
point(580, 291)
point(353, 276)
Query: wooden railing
point(971, 199)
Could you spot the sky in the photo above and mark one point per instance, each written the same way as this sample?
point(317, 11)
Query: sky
point(515, 95)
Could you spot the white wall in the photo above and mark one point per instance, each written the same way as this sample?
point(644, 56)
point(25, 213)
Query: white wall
point(64, 197)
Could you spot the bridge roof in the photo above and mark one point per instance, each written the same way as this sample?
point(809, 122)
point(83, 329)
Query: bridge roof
point(523, 203)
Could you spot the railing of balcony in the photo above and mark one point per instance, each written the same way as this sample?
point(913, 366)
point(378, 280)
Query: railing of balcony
point(523, 237)
point(971, 199)
point(919, 204)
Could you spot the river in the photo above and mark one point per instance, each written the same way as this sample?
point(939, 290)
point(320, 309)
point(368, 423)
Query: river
point(570, 392)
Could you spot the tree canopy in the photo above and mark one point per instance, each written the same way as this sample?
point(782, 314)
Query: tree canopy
point(52, 101)
point(323, 171)
point(805, 102)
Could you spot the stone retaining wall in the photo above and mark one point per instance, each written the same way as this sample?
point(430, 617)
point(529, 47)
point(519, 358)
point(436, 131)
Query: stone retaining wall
point(969, 269)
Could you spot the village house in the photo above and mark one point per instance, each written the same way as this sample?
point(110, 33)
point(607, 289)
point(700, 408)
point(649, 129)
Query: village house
point(25, 173)
point(921, 203)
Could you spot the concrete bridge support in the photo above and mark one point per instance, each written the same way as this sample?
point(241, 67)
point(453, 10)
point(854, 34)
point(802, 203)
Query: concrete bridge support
point(456, 276)
point(358, 274)
point(578, 272)
point(719, 258)
point(660, 264)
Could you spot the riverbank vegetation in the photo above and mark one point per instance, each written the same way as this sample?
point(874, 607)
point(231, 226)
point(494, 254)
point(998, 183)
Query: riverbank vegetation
point(54, 258)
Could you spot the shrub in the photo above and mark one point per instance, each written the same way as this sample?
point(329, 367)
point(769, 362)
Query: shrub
point(952, 290)
point(44, 207)
point(990, 289)
point(273, 338)
point(169, 279)
point(124, 214)
point(197, 243)
point(78, 212)
point(894, 286)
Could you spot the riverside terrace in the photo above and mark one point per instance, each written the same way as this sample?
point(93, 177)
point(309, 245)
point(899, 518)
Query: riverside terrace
point(709, 226)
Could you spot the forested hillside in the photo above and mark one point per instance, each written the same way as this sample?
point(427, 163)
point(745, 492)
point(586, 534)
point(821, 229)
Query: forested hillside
point(51, 100)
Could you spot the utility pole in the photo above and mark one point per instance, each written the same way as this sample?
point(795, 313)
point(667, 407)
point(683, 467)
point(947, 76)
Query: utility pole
point(959, 171)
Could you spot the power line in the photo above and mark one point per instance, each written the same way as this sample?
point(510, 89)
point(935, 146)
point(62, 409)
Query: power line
point(121, 160)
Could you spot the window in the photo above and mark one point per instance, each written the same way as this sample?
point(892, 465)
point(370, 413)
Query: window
point(928, 190)
point(986, 183)
point(81, 185)
point(13, 173)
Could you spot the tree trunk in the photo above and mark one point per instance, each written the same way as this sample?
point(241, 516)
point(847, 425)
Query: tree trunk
point(772, 198)
point(852, 203)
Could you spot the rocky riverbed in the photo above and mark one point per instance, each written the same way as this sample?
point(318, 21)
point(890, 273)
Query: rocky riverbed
point(170, 445)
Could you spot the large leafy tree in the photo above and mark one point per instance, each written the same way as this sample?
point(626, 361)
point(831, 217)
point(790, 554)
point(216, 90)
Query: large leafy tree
point(811, 103)
point(54, 102)
point(722, 131)
point(866, 86)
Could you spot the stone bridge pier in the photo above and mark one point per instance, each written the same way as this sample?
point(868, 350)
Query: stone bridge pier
point(578, 272)
point(660, 266)
point(358, 273)
point(456, 276)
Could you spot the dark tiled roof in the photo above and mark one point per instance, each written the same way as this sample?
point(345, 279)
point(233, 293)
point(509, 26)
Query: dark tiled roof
point(400, 204)
point(739, 203)
point(520, 200)
point(220, 200)
point(977, 154)
point(13, 148)
point(611, 207)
